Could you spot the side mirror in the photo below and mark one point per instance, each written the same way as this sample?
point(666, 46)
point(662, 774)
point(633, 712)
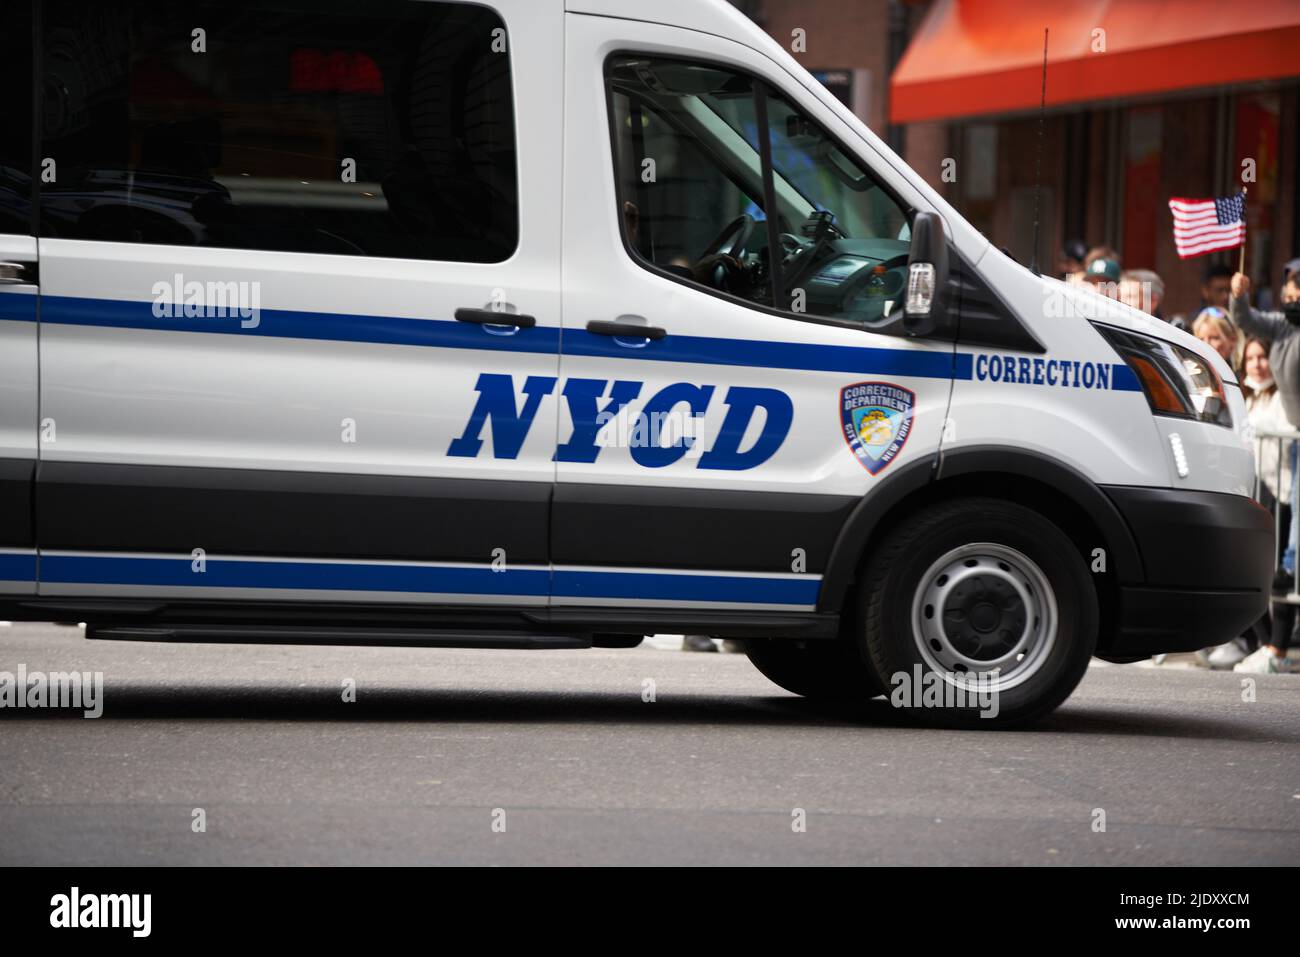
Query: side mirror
point(925, 311)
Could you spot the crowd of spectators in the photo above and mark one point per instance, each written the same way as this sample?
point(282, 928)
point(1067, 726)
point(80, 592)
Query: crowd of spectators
point(1263, 347)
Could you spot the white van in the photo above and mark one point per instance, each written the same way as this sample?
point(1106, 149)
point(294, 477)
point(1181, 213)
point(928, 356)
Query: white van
point(557, 323)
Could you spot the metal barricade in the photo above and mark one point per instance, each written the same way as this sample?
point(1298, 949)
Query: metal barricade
point(1285, 443)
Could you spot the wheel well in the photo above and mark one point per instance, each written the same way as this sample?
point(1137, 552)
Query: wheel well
point(1032, 493)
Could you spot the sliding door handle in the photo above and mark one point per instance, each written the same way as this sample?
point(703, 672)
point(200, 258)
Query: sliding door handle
point(488, 317)
point(625, 330)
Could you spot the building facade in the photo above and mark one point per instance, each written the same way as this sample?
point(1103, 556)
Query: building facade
point(1145, 100)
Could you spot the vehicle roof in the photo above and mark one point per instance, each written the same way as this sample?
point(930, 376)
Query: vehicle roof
point(710, 16)
point(720, 18)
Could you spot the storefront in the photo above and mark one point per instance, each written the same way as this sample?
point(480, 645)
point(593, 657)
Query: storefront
point(1144, 101)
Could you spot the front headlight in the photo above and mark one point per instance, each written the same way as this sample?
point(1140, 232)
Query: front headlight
point(1176, 382)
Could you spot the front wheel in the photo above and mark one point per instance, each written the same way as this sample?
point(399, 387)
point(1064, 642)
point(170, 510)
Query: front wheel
point(823, 669)
point(978, 612)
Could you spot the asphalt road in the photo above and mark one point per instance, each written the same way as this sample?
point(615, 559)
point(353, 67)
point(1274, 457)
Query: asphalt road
point(561, 747)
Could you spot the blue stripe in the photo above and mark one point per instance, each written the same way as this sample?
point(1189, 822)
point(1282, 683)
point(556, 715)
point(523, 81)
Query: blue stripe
point(18, 568)
point(756, 353)
point(18, 307)
point(314, 576)
point(283, 324)
point(1124, 379)
point(703, 587)
point(439, 333)
point(542, 340)
point(355, 576)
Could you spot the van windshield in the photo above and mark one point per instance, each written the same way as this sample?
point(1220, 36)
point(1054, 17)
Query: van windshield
point(814, 167)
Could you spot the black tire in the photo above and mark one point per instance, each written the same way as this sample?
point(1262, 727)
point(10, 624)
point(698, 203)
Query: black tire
point(822, 669)
point(976, 579)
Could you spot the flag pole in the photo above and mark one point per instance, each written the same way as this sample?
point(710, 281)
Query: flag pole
point(1241, 267)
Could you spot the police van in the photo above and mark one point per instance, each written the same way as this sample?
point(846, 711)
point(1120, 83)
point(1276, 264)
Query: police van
point(555, 323)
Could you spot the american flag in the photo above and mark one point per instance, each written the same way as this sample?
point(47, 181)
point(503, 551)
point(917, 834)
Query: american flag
point(1204, 225)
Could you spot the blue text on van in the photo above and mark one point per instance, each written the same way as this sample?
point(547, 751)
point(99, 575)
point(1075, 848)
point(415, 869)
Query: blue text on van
point(1062, 373)
point(593, 402)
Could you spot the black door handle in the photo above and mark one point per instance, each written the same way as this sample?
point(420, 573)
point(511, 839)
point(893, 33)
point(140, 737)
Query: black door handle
point(625, 330)
point(486, 317)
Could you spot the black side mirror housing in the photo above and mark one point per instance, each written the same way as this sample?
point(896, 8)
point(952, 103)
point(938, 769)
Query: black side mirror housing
point(925, 311)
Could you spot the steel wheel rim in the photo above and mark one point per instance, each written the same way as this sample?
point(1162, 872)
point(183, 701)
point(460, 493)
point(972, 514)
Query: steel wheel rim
point(985, 609)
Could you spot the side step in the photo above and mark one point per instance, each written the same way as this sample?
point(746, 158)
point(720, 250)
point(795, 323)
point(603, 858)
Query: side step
point(290, 635)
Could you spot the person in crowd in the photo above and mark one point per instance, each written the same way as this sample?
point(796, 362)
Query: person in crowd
point(1265, 411)
point(1284, 368)
point(1104, 275)
point(1070, 265)
point(1274, 463)
point(1142, 289)
point(1290, 268)
point(1264, 298)
point(1216, 286)
point(1099, 252)
point(1215, 329)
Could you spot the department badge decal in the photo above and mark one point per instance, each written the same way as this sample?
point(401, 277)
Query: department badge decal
point(877, 419)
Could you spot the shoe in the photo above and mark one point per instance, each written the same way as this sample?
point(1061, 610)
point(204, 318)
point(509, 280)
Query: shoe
point(698, 643)
point(732, 646)
point(1262, 661)
point(1228, 654)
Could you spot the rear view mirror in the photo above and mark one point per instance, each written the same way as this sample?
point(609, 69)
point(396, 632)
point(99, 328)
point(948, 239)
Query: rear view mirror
point(925, 312)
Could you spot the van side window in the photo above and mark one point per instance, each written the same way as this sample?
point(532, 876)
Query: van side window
point(690, 171)
point(382, 128)
point(16, 130)
point(685, 210)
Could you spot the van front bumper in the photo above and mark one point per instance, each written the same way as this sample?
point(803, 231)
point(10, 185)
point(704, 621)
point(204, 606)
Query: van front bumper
point(1208, 559)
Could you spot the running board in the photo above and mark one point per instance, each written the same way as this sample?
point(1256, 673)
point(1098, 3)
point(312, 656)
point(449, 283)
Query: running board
point(287, 635)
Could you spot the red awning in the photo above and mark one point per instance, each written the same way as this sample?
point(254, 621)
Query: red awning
point(974, 57)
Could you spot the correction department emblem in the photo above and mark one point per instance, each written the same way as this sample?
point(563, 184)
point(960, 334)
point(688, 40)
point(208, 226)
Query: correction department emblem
point(877, 419)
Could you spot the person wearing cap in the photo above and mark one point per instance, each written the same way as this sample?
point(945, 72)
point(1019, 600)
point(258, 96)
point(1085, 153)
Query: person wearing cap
point(1104, 275)
point(1070, 265)
point(1266, 299)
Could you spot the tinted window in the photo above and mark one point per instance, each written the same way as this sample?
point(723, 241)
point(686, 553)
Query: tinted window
point(684, 208)
point(688, 151)
point(16, 129)
point(382, 128)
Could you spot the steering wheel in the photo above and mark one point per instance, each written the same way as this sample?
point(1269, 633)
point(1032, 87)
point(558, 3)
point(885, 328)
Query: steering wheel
point(854, 286)
point(743, 226)
point(720, 264)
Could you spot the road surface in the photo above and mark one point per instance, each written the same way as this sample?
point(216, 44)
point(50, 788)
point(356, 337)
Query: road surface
point(525, 757)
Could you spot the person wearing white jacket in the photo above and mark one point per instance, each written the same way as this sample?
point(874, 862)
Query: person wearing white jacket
point(1266, 413)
